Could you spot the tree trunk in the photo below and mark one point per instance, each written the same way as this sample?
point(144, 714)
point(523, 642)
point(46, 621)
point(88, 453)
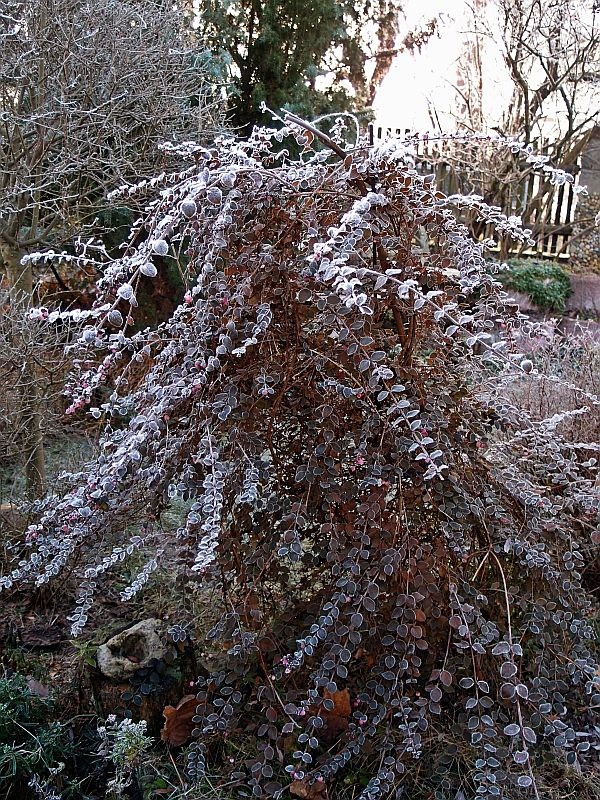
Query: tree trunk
point(20, 282)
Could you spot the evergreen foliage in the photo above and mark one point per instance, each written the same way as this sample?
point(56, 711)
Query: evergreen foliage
point(547, 283)
point(277, 49)
point(31, 744)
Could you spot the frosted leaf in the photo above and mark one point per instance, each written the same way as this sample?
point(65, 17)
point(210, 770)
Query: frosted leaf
point(512, 729)
point(214, 195)
point(228, 180)
point(526, 365)
point(115, 317)
point(188, 208)
point(160, 247)
point(125, 291)
point(149, 269)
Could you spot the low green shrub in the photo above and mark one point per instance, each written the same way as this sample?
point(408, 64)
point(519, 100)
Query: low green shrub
point(545, 282)
point(31, 743)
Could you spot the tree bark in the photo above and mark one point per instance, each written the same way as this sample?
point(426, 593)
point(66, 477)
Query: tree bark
point(20, 281)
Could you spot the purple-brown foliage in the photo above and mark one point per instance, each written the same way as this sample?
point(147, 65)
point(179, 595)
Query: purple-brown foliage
point(375, 516)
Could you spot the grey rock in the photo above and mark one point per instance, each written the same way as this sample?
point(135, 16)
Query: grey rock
point(132, 649)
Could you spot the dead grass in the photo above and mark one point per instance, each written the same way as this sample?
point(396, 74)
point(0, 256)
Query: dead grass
point(568, 361)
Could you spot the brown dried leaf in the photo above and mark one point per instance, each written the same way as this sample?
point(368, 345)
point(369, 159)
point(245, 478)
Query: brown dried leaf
point(341, 702)
point(309, 791)
point(267, 645)
point(336, 720)
point(178, 726)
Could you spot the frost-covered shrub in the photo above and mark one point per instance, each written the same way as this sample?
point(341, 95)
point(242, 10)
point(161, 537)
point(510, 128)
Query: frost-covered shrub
point(123, 743)
point(397, 547)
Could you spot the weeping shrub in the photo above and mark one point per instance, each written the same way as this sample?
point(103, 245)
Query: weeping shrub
point(397, 547)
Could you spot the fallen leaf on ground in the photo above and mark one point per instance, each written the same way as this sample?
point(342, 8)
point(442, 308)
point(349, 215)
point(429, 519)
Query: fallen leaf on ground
point(337, 719)
point(309, 791)
point(178, 725)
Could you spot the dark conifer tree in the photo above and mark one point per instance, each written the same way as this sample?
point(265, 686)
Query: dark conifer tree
point(277, 49)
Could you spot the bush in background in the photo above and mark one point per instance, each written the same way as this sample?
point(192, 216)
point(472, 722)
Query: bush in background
point(546, 283)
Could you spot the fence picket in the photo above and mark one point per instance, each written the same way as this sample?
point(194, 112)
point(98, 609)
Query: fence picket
point(553, 232)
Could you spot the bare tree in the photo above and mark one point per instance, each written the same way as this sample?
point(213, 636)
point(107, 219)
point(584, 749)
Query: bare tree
point(551, 49)
point(33, 367)
point(88, 89)
point(551, 55)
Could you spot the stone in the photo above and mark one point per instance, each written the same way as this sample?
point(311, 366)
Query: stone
point(132, 649)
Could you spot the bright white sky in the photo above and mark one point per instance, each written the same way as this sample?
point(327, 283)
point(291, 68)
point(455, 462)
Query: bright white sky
point(418, 91)
point(419, 87)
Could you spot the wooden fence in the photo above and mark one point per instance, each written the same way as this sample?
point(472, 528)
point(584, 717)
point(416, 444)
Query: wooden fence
point(552, 228)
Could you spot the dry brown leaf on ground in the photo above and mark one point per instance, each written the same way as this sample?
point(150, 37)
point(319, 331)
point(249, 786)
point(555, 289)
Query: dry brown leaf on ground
point(309, 791)
point(179, 723)
point(337, 718)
